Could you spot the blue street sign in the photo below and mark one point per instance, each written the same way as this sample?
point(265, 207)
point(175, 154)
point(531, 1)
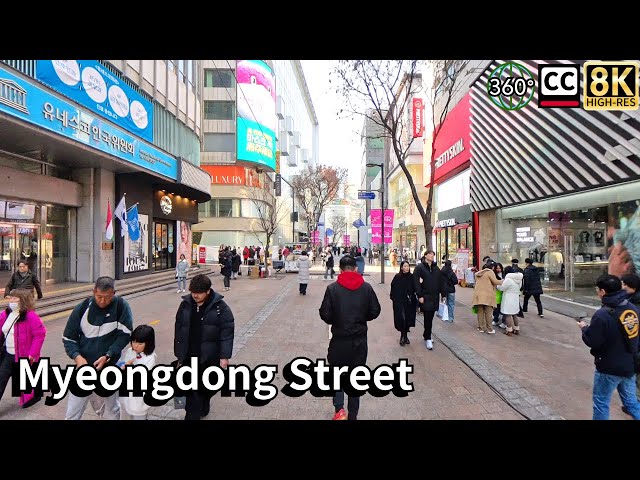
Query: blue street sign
point(329, 232)
point(363, 195)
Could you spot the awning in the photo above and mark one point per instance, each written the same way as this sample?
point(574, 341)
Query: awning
point(461, 226)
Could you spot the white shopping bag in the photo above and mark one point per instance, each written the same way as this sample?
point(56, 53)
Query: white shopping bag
point(443, 311)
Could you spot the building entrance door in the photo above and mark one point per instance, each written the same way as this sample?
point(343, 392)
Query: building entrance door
point(18, 242)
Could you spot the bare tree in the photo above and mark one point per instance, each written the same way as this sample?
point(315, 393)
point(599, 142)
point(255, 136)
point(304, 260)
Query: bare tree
point(339, 226)
point(382, 91)
point(271, 213)
point(314, 189)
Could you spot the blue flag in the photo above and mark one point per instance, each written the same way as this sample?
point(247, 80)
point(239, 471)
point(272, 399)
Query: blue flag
point(133, 224)
point(358, 223)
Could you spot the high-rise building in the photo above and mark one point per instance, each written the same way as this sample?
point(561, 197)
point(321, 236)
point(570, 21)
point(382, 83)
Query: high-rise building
point(79, 136)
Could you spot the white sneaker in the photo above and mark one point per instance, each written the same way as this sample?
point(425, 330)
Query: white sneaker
point(429, 345)
point(180, 291)
point(502, 325)
point(494, 323)
point(183, 290)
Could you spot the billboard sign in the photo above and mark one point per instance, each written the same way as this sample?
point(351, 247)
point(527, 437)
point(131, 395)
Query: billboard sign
point(256, 107)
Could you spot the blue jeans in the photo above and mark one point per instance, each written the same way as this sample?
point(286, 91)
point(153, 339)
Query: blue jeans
point(451, 303)
point(182, 283)
point(604, 385)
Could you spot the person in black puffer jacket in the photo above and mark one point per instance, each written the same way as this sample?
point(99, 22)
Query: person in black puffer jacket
point(204, 329)
point(532, 286)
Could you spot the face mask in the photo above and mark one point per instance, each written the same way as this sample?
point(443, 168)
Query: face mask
point(14, 306)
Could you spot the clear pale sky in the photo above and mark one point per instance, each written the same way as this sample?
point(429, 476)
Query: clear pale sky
point(339, 138)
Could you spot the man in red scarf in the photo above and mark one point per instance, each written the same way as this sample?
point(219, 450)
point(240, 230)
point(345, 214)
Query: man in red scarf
point(348, 304)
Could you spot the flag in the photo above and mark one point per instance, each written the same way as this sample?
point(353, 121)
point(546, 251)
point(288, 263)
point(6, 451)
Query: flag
point(109, 229)
point(121, 214)
point(358, 223)
point(133, 224)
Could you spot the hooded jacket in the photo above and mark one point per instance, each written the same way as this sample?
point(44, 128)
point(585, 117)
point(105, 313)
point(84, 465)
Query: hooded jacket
point(510, 303)
point(484, 291)
point(348, 304)
point(612, 348)
point(216, 336)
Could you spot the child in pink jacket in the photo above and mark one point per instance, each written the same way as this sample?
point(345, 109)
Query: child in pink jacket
point(22, 334)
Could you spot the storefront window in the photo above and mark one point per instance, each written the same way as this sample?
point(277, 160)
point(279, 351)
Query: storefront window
point(573, 248)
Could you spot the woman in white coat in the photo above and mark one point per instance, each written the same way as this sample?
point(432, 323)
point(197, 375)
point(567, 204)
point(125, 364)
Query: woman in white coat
point(303, 266)
point(510, 306)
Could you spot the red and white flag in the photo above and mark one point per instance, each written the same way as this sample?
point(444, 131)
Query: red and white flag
point(109, 231)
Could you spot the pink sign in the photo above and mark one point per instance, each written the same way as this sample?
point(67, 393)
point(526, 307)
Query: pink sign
point(346, 239)
point(376, 225)
point(315, 237)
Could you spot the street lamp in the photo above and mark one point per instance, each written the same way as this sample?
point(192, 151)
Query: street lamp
point(381, 190)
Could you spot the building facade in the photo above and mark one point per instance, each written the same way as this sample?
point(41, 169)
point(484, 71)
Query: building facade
point(287, 115)
point(558, 185)
point(79, 135)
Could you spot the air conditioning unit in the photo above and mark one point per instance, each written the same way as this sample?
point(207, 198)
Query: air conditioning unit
point(292, 159)
point(296, 139)
point(283, 143)
point(279, 107)
point(289, 125)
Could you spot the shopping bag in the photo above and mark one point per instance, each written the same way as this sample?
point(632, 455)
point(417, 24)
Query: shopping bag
point(474, 309)
point(443, 310)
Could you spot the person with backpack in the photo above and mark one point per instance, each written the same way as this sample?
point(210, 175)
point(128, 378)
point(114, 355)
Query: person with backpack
point(612, 336)
point(97, 331)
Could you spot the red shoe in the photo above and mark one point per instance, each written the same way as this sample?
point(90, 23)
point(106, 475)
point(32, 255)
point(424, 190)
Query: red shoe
point(340, 415)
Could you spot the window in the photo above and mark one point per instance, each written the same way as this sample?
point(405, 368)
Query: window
point(219, 110)
point(181, 68)
point(190, 72)
point(219, 142)
point(219, 78)
point(225, 207)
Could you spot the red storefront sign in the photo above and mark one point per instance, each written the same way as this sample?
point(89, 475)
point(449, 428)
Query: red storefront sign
point(202, 255)
point(418, 116)
point(453, 147)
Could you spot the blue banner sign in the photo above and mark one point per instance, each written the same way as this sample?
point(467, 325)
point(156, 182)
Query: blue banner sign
point(34, 104)
point(90, 84)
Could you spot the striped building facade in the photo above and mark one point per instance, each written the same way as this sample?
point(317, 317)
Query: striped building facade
point(558, 185)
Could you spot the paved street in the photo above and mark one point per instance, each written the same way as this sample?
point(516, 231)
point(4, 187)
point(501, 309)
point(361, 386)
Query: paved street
point(545, 373)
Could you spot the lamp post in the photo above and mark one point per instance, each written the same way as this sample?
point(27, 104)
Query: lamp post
point(381, 190)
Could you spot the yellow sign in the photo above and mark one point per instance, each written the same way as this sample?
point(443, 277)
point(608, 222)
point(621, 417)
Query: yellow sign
point(610, 85)
point(277, 161)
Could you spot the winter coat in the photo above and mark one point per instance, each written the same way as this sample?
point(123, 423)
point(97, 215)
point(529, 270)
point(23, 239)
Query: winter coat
point(430, 289)
point(135, 405)
point(348, 304)
point(403, 295)
point(182, 268)
point(449, 281)
point(484, 291)
point(303, 265)
point(28, 282)
point(235, 263)
point(532, 284)
point(612, 350)
point(226, 265)
point(510, 303)
point(28, 334)
point(217, 329)
point(329, 261)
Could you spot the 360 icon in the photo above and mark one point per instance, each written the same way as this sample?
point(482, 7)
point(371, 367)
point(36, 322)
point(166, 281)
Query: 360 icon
point(511, 86)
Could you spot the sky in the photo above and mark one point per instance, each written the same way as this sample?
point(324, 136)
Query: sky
point(339, 138)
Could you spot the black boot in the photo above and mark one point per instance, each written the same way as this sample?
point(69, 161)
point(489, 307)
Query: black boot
point(402, 339)
point(406, 338)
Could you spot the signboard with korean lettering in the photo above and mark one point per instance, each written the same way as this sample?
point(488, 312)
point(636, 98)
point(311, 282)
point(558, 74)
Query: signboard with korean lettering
point(256, 107)
point(376, 225)
point(35, 104)
point(92, 85)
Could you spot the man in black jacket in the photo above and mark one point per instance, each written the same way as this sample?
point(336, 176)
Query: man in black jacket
point(631, 285)
point(23, 279)
point(428, 284)
point(532, 286)
point(348, 304)
point(613, 339)
point(204, 329)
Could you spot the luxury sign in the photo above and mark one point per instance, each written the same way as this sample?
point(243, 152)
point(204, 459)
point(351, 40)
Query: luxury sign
point(418, 124)
point(450, 153)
